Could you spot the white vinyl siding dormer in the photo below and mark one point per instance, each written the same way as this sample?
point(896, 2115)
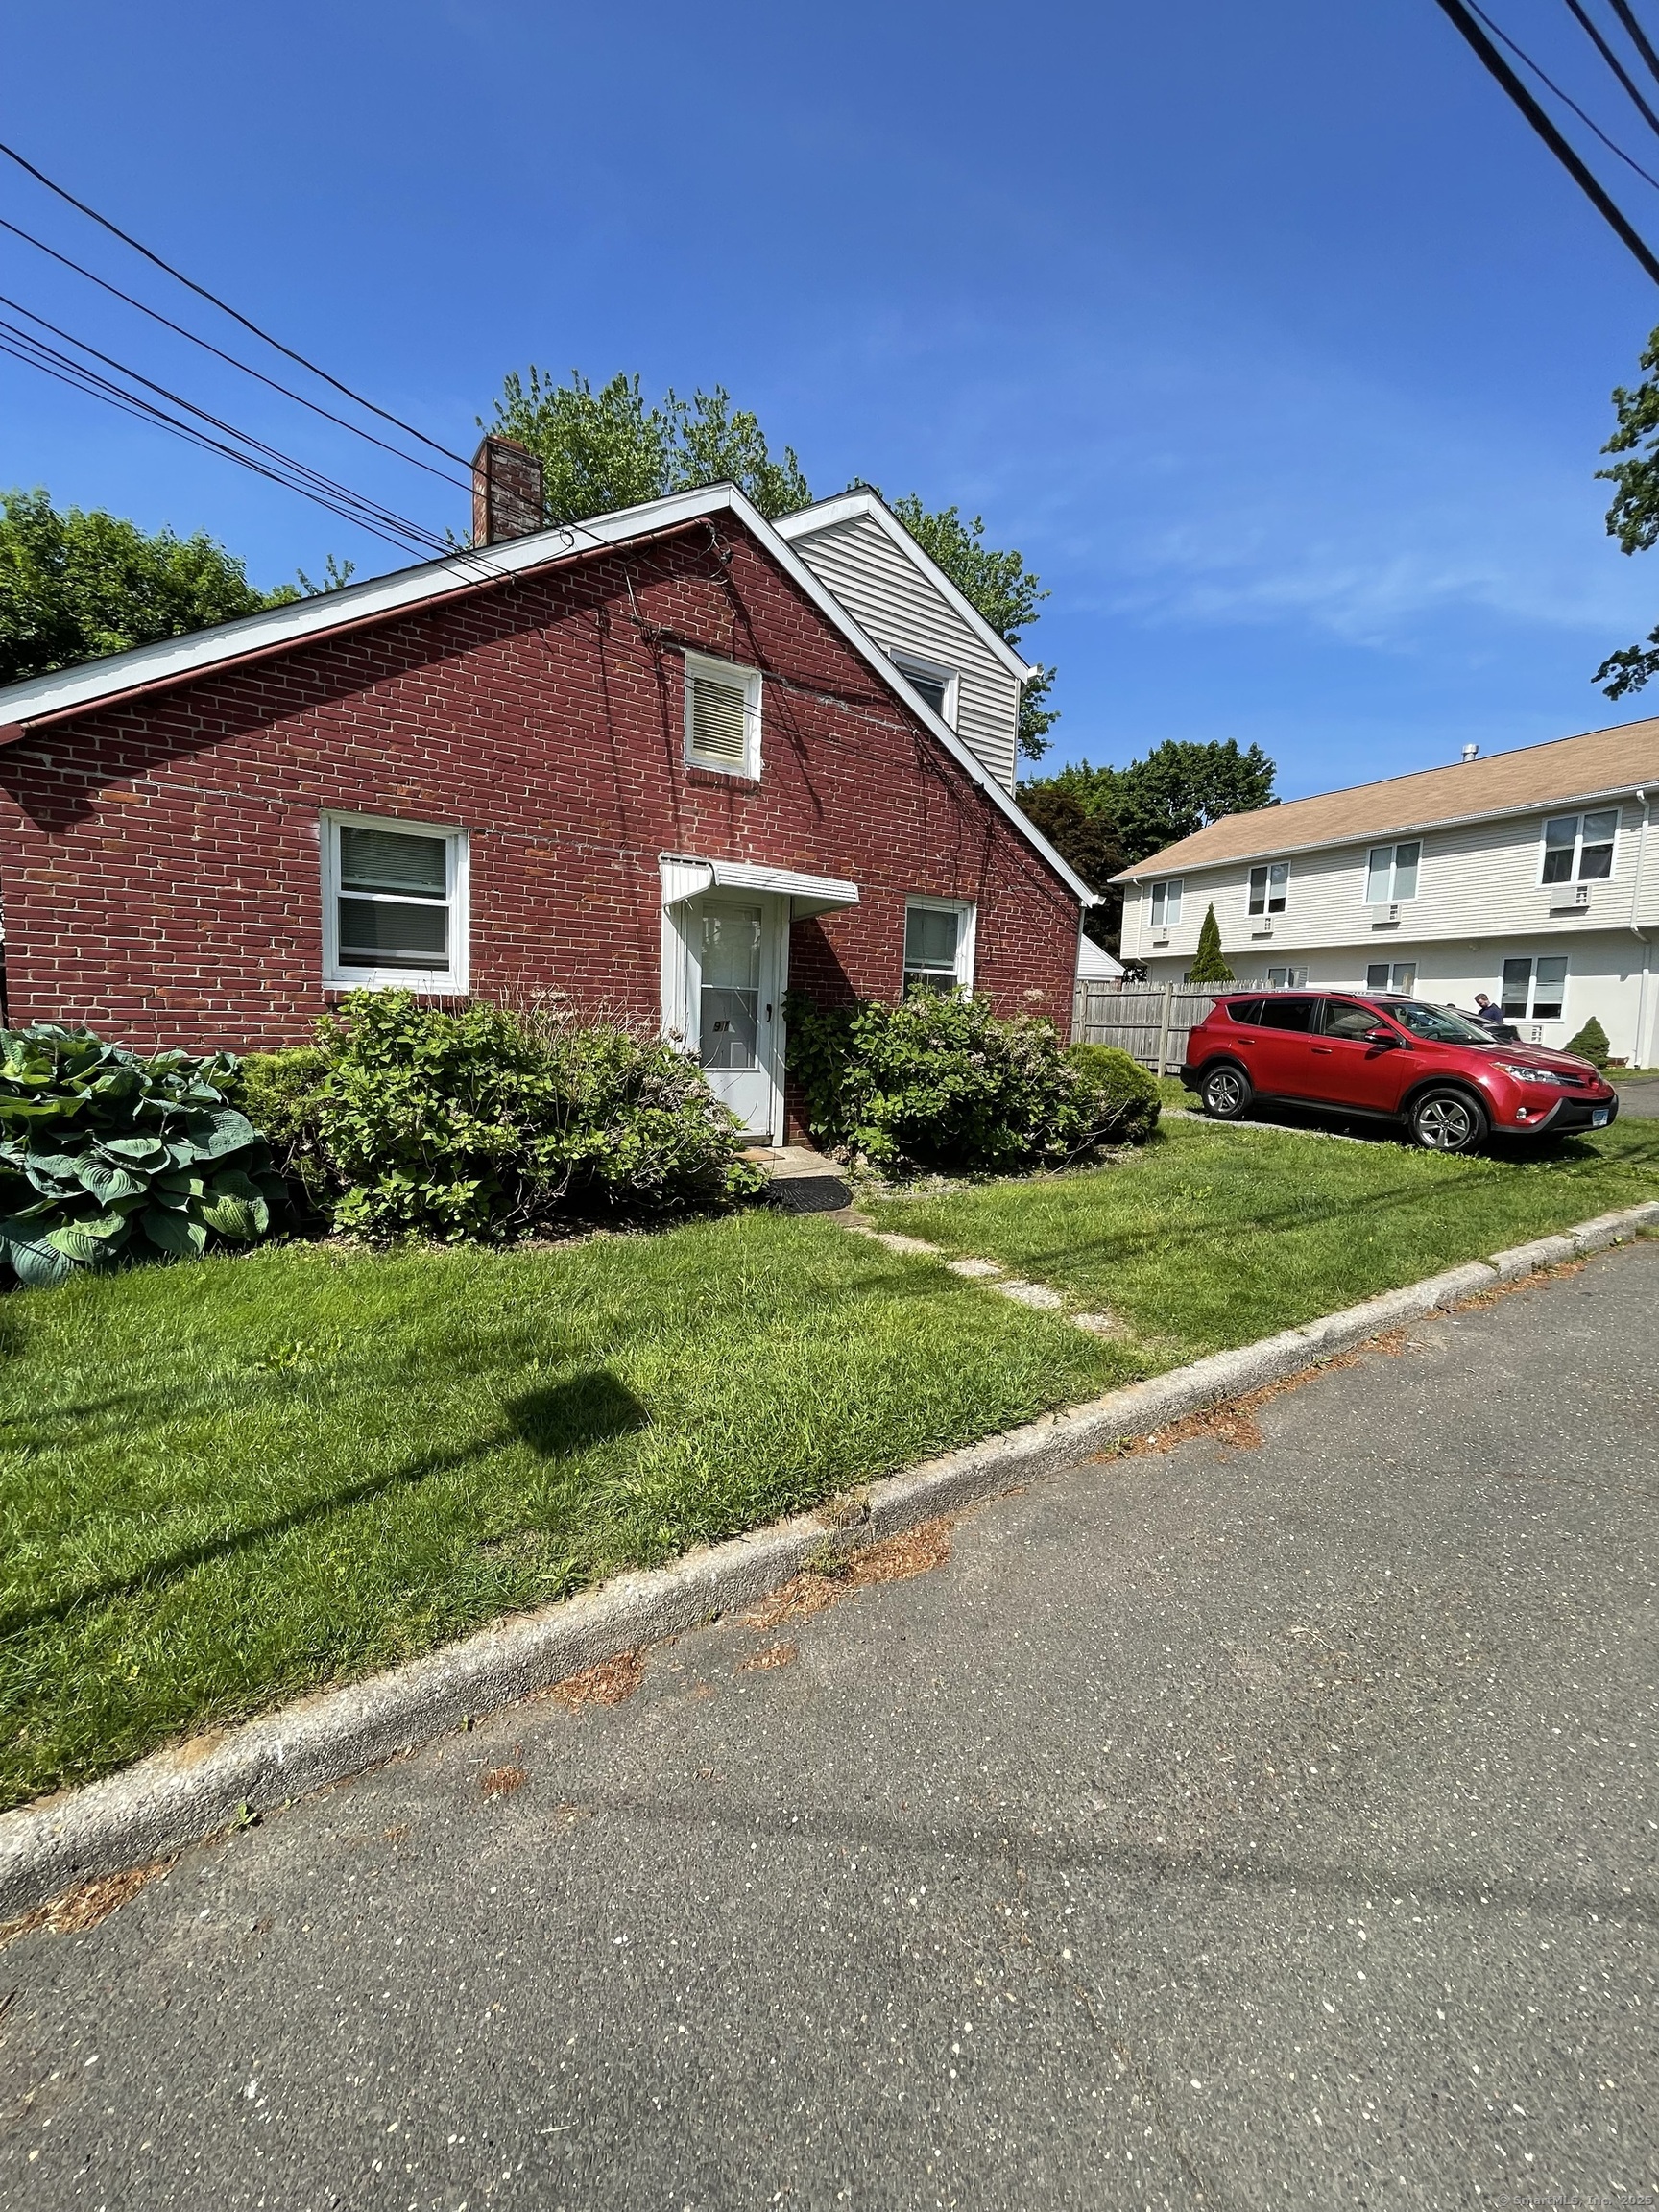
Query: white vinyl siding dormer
point(899, 600)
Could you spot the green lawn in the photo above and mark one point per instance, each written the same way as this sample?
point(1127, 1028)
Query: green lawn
point(1213, 1236)
point(224, 1482)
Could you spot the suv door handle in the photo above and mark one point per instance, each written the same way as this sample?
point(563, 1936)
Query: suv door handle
point(1322, 1049)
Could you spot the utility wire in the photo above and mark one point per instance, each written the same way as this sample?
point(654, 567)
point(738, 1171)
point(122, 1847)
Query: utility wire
point(248, 370)
point(1571, 162)
point(1613, 62)
point(1566, 98)
point(1638, 36)
point(335, 490)
point(11, 154)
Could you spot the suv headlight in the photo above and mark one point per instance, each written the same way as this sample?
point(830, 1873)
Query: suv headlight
point(1524, 1075)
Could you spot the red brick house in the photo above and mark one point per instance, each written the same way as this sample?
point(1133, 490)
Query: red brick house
point(650, 762)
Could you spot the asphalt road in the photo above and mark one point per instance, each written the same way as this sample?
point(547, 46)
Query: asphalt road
point(1257, 1826)
point(1640, 1099)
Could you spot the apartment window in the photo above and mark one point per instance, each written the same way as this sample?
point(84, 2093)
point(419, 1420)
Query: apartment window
point(1391, 873)
point(722, 715)
point(1268, 886)
point(394, 904)
point(1287, 978)
point(936, 684)
point(1535, 990)
point(938, 945)
point(1167, 902)
point(1392, 975)
point(1579, 847)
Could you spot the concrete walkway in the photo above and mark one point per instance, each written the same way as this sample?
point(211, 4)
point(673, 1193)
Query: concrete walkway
point(1266, 1821)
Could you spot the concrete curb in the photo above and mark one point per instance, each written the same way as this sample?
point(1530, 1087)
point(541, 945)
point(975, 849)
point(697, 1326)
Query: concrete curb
point(177, 1797)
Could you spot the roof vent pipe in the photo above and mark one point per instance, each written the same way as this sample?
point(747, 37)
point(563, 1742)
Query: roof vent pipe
point(1470, 751)
point(506, 491)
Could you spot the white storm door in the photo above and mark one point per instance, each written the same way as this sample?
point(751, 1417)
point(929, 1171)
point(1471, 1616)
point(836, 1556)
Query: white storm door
point(735, 947)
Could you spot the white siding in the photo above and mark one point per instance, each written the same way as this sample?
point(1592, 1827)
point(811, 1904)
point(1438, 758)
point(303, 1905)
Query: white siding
point(1479, 903)
point(894, 604)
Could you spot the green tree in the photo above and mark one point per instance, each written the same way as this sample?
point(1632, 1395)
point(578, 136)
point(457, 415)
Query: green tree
point(77, 584)
point(1086, 842)
point(609, 448)
point(1633, 518)
point(1177, 789)
point(1210, 962)
point(1000, 586)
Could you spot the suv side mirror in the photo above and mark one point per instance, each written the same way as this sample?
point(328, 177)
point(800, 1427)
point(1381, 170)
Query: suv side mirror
point(1383, 1037)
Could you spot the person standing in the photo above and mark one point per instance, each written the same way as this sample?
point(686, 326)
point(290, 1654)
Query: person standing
point(1485, 1011)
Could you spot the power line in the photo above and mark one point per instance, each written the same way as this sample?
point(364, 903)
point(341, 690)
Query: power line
point(443, 475)
point(1638, 36)
point(1613, 62)
point(11, 154)
point(1565, 98)
point(370, 509)
point(1574, 165)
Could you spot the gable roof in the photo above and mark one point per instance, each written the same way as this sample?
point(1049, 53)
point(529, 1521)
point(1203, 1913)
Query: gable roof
point(862, 503)
point(1600, 764)
point(69, 691)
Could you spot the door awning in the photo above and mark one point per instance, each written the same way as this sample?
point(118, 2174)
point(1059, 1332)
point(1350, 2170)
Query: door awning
point(685, 877)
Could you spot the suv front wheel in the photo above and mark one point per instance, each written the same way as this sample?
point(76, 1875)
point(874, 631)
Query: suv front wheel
point(1448, 1120)
point(1226, 1091)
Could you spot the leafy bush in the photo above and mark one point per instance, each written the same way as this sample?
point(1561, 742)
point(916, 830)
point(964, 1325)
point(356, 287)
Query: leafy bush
point(485, 1121)
point(1118, 1098)
point(106, 1154)
point(939, 1082)
point(1591, 1043)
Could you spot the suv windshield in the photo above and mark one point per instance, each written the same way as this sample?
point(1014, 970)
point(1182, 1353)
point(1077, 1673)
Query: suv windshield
point(1439, 1024)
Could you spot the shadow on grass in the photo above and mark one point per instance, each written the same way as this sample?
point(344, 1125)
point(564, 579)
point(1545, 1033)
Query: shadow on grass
point(556, 1423)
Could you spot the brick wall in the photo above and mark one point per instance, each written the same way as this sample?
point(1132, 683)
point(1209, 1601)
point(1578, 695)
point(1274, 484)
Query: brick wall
point(159, 860)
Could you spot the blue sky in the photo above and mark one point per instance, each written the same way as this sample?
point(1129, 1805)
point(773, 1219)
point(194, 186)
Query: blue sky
point(1268, 333)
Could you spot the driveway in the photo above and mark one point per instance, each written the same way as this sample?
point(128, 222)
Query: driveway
point(1640, 1099)
point(1263, 1821)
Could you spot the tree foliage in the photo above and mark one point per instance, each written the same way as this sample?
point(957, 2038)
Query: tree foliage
point(1633, 518)
point(1089, 843)
point(1210, 962)
point(76, 584)
point(609, 448)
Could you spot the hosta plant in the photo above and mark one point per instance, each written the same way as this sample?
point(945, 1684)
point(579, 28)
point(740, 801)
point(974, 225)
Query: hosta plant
point(106, 1155)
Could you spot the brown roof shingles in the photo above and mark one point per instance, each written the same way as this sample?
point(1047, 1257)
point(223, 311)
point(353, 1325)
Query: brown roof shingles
point(1603, 763)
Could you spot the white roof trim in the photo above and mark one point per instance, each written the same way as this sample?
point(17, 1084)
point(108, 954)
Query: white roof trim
point(176, 659)
point(686, 877)
point(846, 507)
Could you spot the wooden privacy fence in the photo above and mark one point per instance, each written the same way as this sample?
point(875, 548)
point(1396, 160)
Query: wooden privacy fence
point(1151, 1023)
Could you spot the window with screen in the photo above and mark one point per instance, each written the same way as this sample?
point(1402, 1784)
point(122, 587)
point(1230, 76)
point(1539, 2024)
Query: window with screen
point(1391, 873)
point(933, 681)
point(394, 901)
point(1392, 975)
point(1535, 990)
point(1287, 978)
point(1167, 902)
point(722, 716)
point(1269, 886)
point(938, 945)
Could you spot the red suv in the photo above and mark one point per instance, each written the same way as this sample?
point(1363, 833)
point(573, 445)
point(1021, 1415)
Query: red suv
point(1443, 1076)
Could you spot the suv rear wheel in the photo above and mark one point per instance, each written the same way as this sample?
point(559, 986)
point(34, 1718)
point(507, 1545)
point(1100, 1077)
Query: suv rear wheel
point(1444, 1119)
point(1226, 1091)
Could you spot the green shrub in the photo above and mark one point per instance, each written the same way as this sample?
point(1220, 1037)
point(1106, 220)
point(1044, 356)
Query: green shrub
point(107, 1155)
point(413, 1119)
point(938, 1082)
point(1591, 1043)
point(1119, 1098)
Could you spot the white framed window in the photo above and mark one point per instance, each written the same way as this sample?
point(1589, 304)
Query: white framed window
point(1392, 975)
point(1270, 887)
point(394, 904)
point(939, 945)
point(1167, 902)
point(722, 715)
point(1287, 978)
point(1535, 990)
point(1391, 873)
point(936, 682)
point(1579, 847)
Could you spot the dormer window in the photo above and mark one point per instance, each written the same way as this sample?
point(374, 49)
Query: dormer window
point(933, 681)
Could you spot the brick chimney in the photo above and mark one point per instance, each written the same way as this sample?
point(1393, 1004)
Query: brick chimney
point(506, 491)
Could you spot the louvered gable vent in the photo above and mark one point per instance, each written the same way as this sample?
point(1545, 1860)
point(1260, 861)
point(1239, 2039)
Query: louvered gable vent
point(717, 719)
